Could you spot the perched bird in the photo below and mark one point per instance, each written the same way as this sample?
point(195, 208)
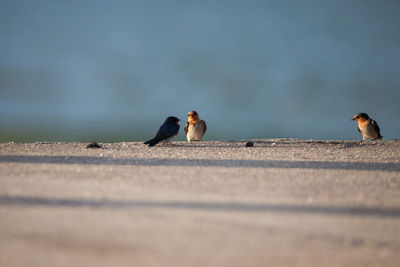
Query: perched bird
point(195, 128)
point(367, 126)
point(168, 130)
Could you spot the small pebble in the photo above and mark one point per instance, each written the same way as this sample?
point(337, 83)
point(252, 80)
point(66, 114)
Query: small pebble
point(93, 144)
point(249, 144)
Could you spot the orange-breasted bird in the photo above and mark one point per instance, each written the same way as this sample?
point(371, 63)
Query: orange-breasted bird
point(367, 126)
point(195, 127)
point(168, 130)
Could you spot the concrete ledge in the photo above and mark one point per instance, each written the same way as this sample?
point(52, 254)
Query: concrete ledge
point(284, 202)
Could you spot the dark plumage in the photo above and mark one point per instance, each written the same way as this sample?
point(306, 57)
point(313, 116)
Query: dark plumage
point(361, 115)
point(249, 144)
point(168, 130)
point(93, 144)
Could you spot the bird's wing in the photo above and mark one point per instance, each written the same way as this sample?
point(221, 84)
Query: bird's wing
point(167, 131)
point(162, 130)
point(156, 138)
point(174, 130)
point(375, 124)
point(203, 123)
point(186, 127)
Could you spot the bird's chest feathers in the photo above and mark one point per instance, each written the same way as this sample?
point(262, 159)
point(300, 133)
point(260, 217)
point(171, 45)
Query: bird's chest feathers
point(367, 128)
point(364, 125)
point(195, 131)
point(195, 127)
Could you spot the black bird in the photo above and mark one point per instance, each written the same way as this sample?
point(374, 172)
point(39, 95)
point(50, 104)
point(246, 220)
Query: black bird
point(168, 130)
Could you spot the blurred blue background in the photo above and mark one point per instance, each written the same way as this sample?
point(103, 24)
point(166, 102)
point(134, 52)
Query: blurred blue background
point(114, 70)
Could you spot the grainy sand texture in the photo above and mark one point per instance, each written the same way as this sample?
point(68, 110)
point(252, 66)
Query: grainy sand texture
point(282, 202)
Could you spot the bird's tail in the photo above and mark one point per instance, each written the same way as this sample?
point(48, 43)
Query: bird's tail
point(152, 142)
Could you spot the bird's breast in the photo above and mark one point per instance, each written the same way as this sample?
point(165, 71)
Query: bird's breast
point(195, 132)
point(367, 129)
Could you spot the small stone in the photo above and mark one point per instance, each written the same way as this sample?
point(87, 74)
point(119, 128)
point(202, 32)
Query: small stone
point(93, 144)
point(249, 144)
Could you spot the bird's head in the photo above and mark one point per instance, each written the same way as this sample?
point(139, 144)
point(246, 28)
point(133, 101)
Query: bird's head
point(193, 116)
point(360, 117)
point(173, 120)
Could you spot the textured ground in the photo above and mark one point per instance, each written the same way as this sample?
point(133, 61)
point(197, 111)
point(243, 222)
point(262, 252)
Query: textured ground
point(282, 202)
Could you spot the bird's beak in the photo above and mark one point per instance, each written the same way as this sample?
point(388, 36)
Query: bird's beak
point(353, 119)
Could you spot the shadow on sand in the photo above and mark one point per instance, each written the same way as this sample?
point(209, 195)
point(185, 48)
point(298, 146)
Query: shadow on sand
point(333, 165)
point(193, 205)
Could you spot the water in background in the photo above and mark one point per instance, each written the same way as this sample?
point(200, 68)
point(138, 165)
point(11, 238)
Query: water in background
point(113, 70)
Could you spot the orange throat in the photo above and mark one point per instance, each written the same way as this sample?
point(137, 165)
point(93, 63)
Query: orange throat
point(192, 120)
point(362, 122)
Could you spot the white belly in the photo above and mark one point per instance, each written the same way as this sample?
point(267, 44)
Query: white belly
point(168, 140)
point(369, 132)
point(195, 132)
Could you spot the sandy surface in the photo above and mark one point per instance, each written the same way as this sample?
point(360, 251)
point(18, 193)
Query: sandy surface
point(282, 202)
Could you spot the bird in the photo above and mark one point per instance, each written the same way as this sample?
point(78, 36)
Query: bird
point(168, 130)
point(367, 126)
point(195, 127)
